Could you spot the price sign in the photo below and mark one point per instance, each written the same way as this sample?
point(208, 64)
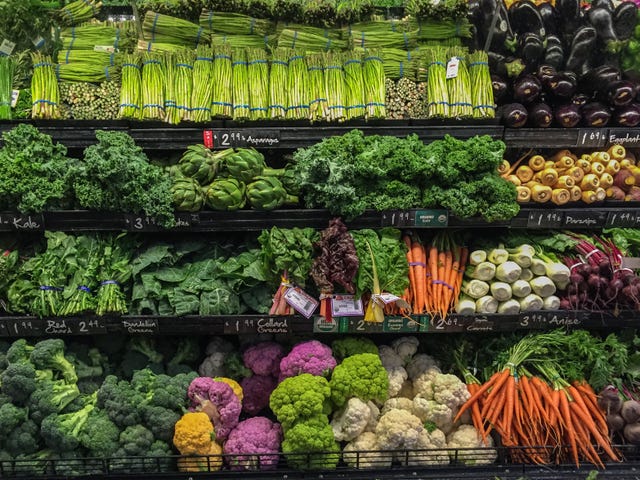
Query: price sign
point(584, 219)
point(186, 220)
point(451, 323)
point(322, 325)
point(301, 301)
point(415, 218)
point(32, 327)
point(358, 325)
point(140, 325)
point(140, 223)
point(15, 95)
point(11, 222)
point(628, 137)
point(452, 68)
point(544, 219)
point(346, 306)
point(592, 137)
point(6, 47)
point(76, 326)
point(4, 330)
point(257, 325)
point(399, 325)
point(480, 324)
point(246, 137)
point(549, 319)
point(622, 219)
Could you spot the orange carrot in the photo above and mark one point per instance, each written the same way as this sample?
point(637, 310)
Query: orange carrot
point(482, 389)
point(416, 255)
point(433, 270)
point(509, 405)
point(569, 429)
point(441, 278)
point(447, 287)
point(410, 261)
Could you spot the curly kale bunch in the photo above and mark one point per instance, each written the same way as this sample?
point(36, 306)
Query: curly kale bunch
point(115, 175)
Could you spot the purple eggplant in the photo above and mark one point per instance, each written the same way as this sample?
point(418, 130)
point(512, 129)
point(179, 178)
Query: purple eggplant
point(580, 99)
point(601, 19)
point(514, 115)
point(526, 89)
point(562, 85)
point(549, 16)
point(540, 115)
point(525, 18)
point(620, 93)
point(545, 72)
point(627, 116)
point(554, 52)
point(500, 88)
point(567, 115)
point(599, 78)
point(625, 19)
point(583, 44)
point(595, 114)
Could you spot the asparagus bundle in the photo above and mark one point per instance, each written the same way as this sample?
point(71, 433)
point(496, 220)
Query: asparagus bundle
point(258, 73)
point(318, 107)
point(157, 27)
point(153, 87)
point(241, 41)
point(44, 88)
point(87, 66)
point(79, 11)
point(86, 37)
point(183, 83)
point(6, 82)
point(297, 85)
point(386, 39)
point(334, 84)
point(240, 85)
point(481, 87)
point(171, 112)
point(158, 47)
point(89, 101)
point(459, 87)
point(374, 88)
point(354, 87)
point(202, 85)
point(235, 23)
point(309, 41)
point(407, 24)
point(437, 91)
point(278, 81)
point(222, 95)
point(398, 63)
point(131, 90)
point(443, 29)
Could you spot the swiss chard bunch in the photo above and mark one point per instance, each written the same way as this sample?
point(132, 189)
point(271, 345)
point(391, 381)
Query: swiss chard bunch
point(114, 271)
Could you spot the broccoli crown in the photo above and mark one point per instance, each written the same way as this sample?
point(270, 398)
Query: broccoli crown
point(347, 346)
point(99, 435)
point(143, 381)
point(310, 445)
point(19, 351)
point(49, 354)
point(161, 421)
point(147, 347)
point(24, 439)
point(73, 464)
point(4, 346)
point(120, 400)
point(234, 367)
point(51, 397)
point(62, 432)
point(11, 416)
point(300, 397)
point(171, 392)
point(136, 440)
point(187, 352)
point(32, 463)
point(18, 381)
point(361, 376)
point(83, 369)
point(158, 458)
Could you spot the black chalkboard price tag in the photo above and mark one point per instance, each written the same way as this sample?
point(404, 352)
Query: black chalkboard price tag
point(549, 319)
point(358, 325)
point(140, 325)
point(622, 219)
point(545, 219)
point(17, 222)
point(627, 137)
point(4, 330)
point(448, 324)
point(239, 138)
point(76, 326)
point(258, 325)
point(140, 223)
point(584, 219)
point(186, 220)
point(31, 327)
point(592, 137)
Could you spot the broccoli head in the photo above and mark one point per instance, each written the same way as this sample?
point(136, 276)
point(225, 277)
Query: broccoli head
point(347, 346)
point(300, 397)
point(11, 416)
point(310, 445)
point(161, 421)
point(51, 397)
point(24, 439)
point(61, 432)
point(19, 351)
point(18, 381)
point(136, 440)
point(171, 392)
point(361, 376)
point(4, 347)
point(34, 464)
point(147, 347)
point(49, 354)
point(120, 400)
point(158, 458)
point(99, 435)
point(188, 352)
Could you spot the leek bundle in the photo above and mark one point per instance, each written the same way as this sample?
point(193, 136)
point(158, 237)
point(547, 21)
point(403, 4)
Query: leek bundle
point(278, 81)
point(201, 95)
point(437, 90)
point(131, 90)
point(222, 95)
point(78, 12)
point(258, 75)
point(153, 82)
point(443, 29)
point(183, 82)
point(374, 87)
point(334, 86)
point(298, 87)
point(318, 107)
point(44, 88)
point(240, 85)
point(311, 42)
point(354, 87)
point(459, 87)
point(481, 87)
point(157, 27)
point(235, 23)
point(6, 83)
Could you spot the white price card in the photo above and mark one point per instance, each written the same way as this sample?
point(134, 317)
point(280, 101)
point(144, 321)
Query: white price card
point(104, 48)
point(15, 94)
point(38, 41)
point(388, 298)
point(6, 47)
point(301, 301)
point(346, 306)
point(452, 67)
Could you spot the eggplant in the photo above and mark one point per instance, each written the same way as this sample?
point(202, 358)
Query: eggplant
point(531, 48)
point(554, 53)
point(507, 67)
point(595, 114)
point(526, 89)
point(627, 116)
point(545, 72)
point(567, 115)
point(570, 15)
point(562, 85)
point(500, 88)
point(625, 19)
point(582, 45)
point(549, 16)
point(514, 115)
point(540, 115)
point(500, 38)
point(620, 93)
point(580, 99)
point(474, 15)
point(599, 78)
point(525, 18)
point(607, 4)
point(602, 20)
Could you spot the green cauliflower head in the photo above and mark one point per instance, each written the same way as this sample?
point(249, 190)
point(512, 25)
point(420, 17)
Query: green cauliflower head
point(361, 376)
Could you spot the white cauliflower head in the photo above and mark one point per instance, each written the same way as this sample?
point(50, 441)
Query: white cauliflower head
point(449, 390)
point(370, 456)
point(351, 421)
point(433, 412)
point(406, 347)
point(373, 418)
point(397, 377)
point(430, 450)
point(423, 383)
point(398, 430)
point(389, 357)
point(398, 403)
point(420, 364)
point(466, 438)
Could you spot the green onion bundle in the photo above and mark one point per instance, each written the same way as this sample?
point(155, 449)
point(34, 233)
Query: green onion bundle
point(241, 41)
point(131, 90)
point(78, 12)
point(374, 87)
point(222, 95)
point(183, 82)
point(157, 27)
point(258, 75)
point(443, 29)
point(354, 87)
point(334, 86)
point(318, 107)
point(400, 40)
point(459, 87)
point(235, 23)
point(44, 88)
point(298, 87)
point(153, 86)
point(202, 88)
point(171, 112)
point(278, 81)
point(399, 63)
point(6, 86)
point(437, 90)
point(481, 86)
point(240, 85)
point(311, 42)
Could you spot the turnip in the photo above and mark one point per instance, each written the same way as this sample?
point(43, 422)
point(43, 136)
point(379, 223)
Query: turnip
point(630, 411)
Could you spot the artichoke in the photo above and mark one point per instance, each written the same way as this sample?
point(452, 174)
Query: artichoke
point(247, 163)
point(290, 180)
point(199, 163)
point(226, 194)
point(268, 193)
point(187, 195)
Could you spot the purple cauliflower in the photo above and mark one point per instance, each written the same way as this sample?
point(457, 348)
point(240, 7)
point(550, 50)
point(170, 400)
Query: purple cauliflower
point(264, 358)
point(199, 390)
point(229, 407)
point(257, 390)
point(257, 435)
point(311, 357)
